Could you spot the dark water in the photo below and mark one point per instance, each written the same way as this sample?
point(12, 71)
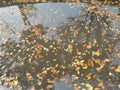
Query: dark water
point(60, 41)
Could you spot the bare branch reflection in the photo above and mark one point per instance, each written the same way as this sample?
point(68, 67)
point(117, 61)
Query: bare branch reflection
point(84, 49)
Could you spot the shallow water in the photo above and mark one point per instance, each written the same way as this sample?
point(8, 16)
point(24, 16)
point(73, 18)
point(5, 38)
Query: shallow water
point(50, 16)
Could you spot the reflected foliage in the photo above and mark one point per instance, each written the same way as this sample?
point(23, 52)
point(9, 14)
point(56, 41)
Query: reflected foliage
point(84, 49)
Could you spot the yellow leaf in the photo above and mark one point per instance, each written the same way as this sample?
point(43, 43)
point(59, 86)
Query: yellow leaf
point(27, 41)
point(97, 61)
point(50, 81)
point(89, 87)
point(96, 89)
point(111, 74)
point(62, 66)
point(29, 77)
point(39, 83)
point(74, 64)
point(3, 77)
point(15, 83)
point(89, 45)
point(12, 46)
point(70, 46)
point(89, 76)
point(94, 40)
point(85, 66)
point(74, 85)
point(97, 53)
point(117, 70)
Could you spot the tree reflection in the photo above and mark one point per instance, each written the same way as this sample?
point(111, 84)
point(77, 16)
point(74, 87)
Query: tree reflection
point(90, 39)
point(26, 10)
point(24, 16)
point(85, 47)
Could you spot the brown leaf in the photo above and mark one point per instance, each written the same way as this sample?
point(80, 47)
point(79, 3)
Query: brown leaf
point(53, 70)
point(110, 85)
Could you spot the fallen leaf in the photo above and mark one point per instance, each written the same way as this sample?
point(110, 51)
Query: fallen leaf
point(85, 66)
point(110, 85)
point(53, 70)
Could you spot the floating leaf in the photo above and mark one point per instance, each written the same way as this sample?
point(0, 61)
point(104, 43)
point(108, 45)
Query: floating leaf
point(70, 46)
point(53, 70)
point(94, 41)
point(29, 77)
point(111, 85)
point(89, 45)
point(100, 84)
point(90, 62)
point(96, 53)
point(89, 87)
point(97, 61)
point(89, 76)
point(37, 31)
point(39, 83)
point(85, 66)
point(118, 69)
